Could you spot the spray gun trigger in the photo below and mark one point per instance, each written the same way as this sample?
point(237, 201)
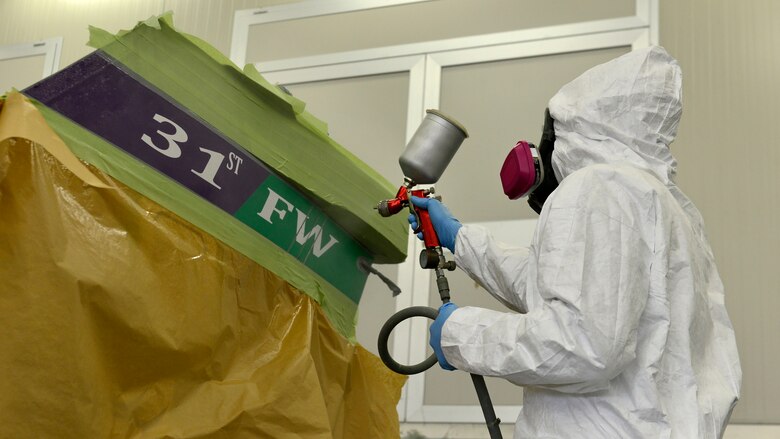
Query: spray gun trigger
point(417, 229)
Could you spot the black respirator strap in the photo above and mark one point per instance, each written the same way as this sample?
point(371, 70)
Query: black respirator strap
point(537, 198)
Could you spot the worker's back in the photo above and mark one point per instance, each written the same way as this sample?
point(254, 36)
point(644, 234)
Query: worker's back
point(685, 377)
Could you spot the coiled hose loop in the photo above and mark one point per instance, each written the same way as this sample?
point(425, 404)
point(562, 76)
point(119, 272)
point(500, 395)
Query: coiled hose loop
point(384, 337)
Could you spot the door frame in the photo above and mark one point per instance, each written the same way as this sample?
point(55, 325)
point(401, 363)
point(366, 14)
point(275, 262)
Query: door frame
point(50, 48)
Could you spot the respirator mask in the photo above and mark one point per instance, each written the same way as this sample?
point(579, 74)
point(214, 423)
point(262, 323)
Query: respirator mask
point(527, 169)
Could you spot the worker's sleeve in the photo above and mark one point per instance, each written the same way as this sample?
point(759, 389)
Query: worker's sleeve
point(498, 268)
point(593, 277)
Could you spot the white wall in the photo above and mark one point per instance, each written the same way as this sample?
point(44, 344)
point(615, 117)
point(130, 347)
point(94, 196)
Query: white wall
point(727, 150)
point(25, 21)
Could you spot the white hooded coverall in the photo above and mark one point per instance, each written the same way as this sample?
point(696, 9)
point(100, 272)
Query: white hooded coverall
point(621, 329)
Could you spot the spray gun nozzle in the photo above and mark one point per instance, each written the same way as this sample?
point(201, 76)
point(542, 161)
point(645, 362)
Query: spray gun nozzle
point(388, 208)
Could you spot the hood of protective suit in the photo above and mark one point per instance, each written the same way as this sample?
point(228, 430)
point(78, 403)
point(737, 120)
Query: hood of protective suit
point(624, 111)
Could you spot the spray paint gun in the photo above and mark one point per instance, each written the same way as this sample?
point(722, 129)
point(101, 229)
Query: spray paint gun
point(425, 158)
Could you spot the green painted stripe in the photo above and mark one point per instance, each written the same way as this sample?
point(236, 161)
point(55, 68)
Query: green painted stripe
point(289, 220)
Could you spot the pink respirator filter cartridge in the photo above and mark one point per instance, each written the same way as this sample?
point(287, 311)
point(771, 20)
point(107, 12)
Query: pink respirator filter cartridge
point(519, 174)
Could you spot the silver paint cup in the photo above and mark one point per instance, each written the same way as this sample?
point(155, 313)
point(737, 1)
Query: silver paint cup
point(431, 148)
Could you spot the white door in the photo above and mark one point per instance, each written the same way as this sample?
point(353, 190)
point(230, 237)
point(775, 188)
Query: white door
point(497, 85)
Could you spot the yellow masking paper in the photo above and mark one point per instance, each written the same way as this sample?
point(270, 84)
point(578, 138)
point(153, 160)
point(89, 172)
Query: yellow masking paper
point(21, 119)
point(122, 320)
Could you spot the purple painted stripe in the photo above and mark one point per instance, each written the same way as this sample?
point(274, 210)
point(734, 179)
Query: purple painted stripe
point(131, 114)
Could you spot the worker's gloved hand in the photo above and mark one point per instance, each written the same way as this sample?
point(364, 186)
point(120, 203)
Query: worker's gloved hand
point(444, 223)
point(435, 330)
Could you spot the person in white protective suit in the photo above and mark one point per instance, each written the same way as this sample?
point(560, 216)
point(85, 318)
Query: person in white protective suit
point(620, 328)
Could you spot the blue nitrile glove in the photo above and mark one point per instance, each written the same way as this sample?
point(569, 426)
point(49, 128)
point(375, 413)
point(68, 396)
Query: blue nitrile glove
point(435, 330)
point(444, 223)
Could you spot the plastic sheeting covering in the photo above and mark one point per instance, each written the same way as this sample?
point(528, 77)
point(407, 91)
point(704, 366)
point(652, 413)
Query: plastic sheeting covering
point(120, 319)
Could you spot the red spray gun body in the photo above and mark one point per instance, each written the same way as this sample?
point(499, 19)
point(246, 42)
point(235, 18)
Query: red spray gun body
point(432, 256)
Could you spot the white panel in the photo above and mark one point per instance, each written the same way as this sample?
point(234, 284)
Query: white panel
point(211, 20)
point(500, 103)
point(547, 37)
point(454, 431)
point(737, 431)
point(479, 431)
point(349, 70)
point(20, 73)
point(32, 20)
point(410, 23)
point(22, 65)
point(368, 116)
